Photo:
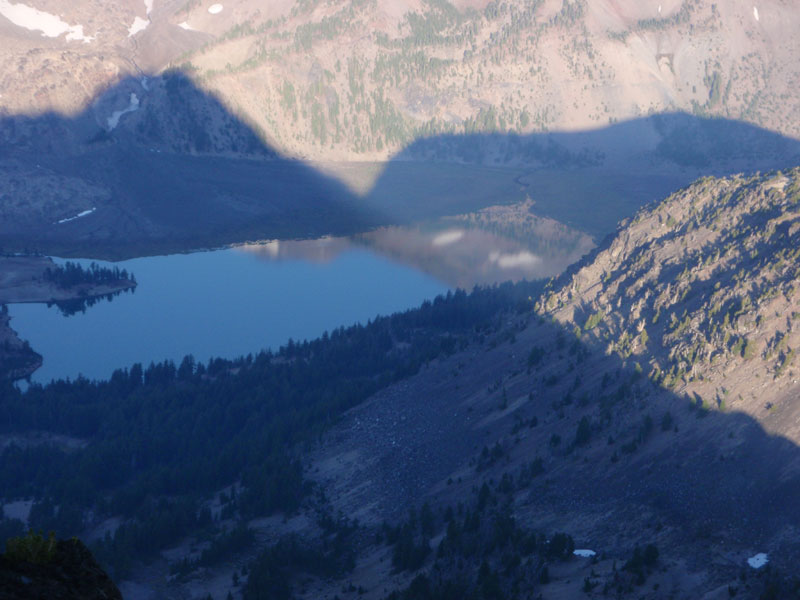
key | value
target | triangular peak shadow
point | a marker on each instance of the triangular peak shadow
(161, 166)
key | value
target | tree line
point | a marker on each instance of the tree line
(71, 274)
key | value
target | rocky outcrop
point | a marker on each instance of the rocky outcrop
(701, 289)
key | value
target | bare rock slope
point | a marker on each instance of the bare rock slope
(702, 290)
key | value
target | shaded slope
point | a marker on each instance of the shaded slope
(183, 176)
(711, 478)
(180, 171)
(592, 179)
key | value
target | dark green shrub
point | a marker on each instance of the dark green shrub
(32, 548)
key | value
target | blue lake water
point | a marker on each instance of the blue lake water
(223, 303)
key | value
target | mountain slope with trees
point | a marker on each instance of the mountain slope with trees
(475, 442)
(361, 79)
(365, 79)
(566, 418)
(233, 113)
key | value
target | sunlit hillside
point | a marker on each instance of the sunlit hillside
(362, 79)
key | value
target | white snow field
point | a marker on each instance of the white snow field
(34, 19)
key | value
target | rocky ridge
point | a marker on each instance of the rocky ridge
(701, 290)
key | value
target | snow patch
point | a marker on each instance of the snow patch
(757, 561)
(78, 216)
(584, 553)
(448, 237)
(148, 5)
(510, 261)
(139, 24)
(145, 84)
(113, 120)
(49, 25)
(755, 13)
(215, 9)
(185, 25)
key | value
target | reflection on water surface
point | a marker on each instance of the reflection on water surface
(497, 244)
(224, 303)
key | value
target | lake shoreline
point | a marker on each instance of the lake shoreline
(24, 280)
(17, 359)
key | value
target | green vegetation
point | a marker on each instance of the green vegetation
(272, 573)
(784, 362)
(749, 350)
(32, 548)
(71, 274)
(485, 552)
(584, 432)
(666, 421)
(222, 547)
(593, 320)
(535, 356)
(411, 547)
